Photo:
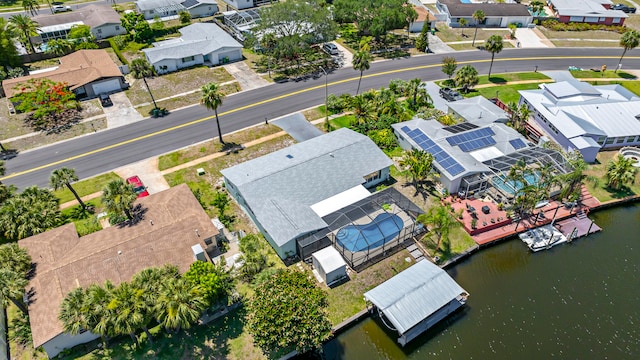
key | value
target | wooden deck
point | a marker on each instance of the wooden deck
(577, 226)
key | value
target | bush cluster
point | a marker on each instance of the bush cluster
(558, 26)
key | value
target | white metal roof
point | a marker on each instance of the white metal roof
(340, 200)
(329, 259)
(414, 294)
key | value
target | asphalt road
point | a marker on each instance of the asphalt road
(106, 150)
(45, 10)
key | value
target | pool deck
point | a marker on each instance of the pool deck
(501, 231)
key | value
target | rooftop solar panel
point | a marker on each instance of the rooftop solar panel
(189, 3)
(443, 159)
(517, 144)
(458, 128)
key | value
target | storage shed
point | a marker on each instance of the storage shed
(330, 265)
(416, 299)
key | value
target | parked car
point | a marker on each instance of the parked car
(624, 8)
(330, 49)
(138, 186)
(60, 8)
(450, 94)
(105, 100)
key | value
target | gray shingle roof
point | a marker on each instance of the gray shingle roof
(478, 110)
(145, 5)
(591, 8)
(411, 296)
(196, 39)
(458, 9)
(280, 187)
(93, 15)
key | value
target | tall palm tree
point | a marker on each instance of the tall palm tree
(629, 40)
(418, 164)
(479, 17)
(212, 98)
(100, 317)
(74, 312)
(621, 172)
(494, 45)
(59, 47)
(417, 93)
(141, 69)
(63, 177)
(12, 286)
(463, 23)
(572, 181)
(31, 6)
(32, 212)
(361, 62)
(27, 28)
(15, 258)
(361, 108)
(118, 198)
(439, 222)
(180, 304)
(130, 311)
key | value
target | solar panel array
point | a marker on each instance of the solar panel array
(444, 160)
(473, 140)
(458, 128)
(517, 144)
(189, 3)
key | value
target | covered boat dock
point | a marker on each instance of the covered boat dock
(416, 299)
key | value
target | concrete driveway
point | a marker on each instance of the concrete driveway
(247, 78)
(121, 112)
(148, 172)
(345, 58)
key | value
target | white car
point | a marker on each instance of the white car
(60, 8)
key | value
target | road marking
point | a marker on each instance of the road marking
(266, 101)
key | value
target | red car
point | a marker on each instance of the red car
(138, 186)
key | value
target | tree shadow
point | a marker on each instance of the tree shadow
(8, 154)
(138, 213)
(626, 75)
(497, 80)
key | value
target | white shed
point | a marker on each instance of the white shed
(330, 265)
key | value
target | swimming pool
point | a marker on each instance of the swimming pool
(510, 186)
(382, 229)
(465, 1)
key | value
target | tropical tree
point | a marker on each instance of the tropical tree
(31, 6)
(211, 98)
(388, 15)
(479, 17)
(361, 62)
(463, 23)
(536, 7)
(12, 286)
(15, 258)
(518, 116)
(118, 198)
(26, 27)
(361, 107)
(74, 312)
(31, 212)
(573, 180)
(422, 42)
(629, 40)
(621, 172)
(179, 304)
(449, 66)
(63, 177)
(215, 282)
(59, 47)
(254, 256)
(130, 311)
(439, 222)
(494, 45)
(8, 52)
(418, 164)
(289, 310)
(417, 94)
(466, 78)
(185, 17)
(99, 316)
(141, 69)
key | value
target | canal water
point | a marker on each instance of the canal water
(575, 301)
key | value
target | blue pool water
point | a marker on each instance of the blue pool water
(383, 228)
(465, 1)
(508, 186)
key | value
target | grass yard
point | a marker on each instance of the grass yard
(88, 223)
(506, 93)
(346, 299)
(182, 101)
(500, 79)
(633, 21)
(600, 190)
(177, 82)
(609, 74)
(459, 241)
(40, 139)
(576, 36)
(315, 113)
(342, 121)
(210, 147)
(86, 187)
(633, 86)
(448, 34)
(585, 43)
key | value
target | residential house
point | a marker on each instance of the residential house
(245, 4)
(587, 11)
(496, 14)
(88, 74)
(200, 43)
(580, 116)
(165, 8)
(288, 192)
(173, 229)
(103, 20)
(425, 18)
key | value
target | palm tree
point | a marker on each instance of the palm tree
(12, 286)
(74, 312)
(439, 222)
(479, 17)
(27, 28)
(466, 78)
(180, 304)
(64, 177)
(572, 181)
(31, 6)
(629, 40)
(361, 62)
(212, 99)
(100, 317)
(361, 108)
(15, 258)
(59, 47)
(494, 45)
(417, 93)
(620, 172)
(118, 197)
(32, 212)
(418, 163)
(129, 310)
(141, 69)
(463, 23)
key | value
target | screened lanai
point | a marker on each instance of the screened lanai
(368, 230)
(241, 22)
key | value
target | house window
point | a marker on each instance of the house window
(610, 141)
(591, 19)
(99, 31)
(619, 140)
(629, 139)
(372, 177)
(575, 18)
(616, 20)
(602, 139)
(187, 59)
(150, 11)
(117, 27)
(603, 19)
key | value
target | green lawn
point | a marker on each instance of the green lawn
(506, 93)
(342, 121)
(500, 79)
(600, 190)
(86, 187)
(459, 241)
(609, 74)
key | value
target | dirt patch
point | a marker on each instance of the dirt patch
(41, 139)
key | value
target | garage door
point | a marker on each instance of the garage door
(106, 86)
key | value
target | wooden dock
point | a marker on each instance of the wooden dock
(577, 226)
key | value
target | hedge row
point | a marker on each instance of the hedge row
(116, 49)
(558, 26)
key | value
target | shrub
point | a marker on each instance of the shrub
(384, 138)
(336, 104)
(116, 49)
(558, 26)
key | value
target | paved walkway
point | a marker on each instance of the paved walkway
(437, 46)
(528, 38)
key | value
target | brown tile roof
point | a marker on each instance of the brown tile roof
(458, 9)
(76, 69)
(424, 14)
(65, 261)
(92, 15)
